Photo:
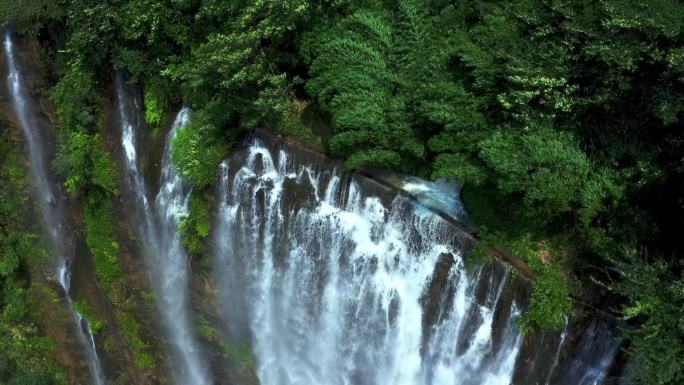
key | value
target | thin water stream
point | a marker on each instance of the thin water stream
(49, 203)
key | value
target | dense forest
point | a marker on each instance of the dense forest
(562, 121)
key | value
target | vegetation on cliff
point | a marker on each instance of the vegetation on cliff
(562, 120)
(26, 353)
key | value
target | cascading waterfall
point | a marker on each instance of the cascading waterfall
(336, 280)
(168, 260)
(172, 204)
(332, 283)
(49, 204)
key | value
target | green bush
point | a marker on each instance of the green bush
(550, 304)
(546, 167)
(197, 225)
(198, 150)
(154, 108)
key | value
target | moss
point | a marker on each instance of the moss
(104, 247)
(237, 351)
(83, 308)
(101, 240)
(131, 330)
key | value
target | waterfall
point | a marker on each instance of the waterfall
(332, 282)
(168, 261)
(334, 279)
(49, 204)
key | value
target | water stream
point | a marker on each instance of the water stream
(50, 205)
(157, 227)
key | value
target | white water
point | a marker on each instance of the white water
(332, 292)
(168, 260)
(49, 206)
(440, 195)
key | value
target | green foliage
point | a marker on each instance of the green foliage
(101, 240)
(72, 157)
(547, 168)
(80, 156)
(550, 303)
(154, 108)
(197, 225)
(30, 15)
(103, 172)
(237, 351)
(353, 77)
(198, 149)
(293, 121)
(131, 329)
(75, 98)
(83, 308)
(26, 353)
(655, 291)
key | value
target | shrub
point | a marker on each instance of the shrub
(197, 151)
(197, 225)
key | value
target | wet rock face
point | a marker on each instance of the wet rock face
(436, 296)
(297, 193)
(584, 353)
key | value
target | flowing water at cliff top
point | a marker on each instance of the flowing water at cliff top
(49, 203)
